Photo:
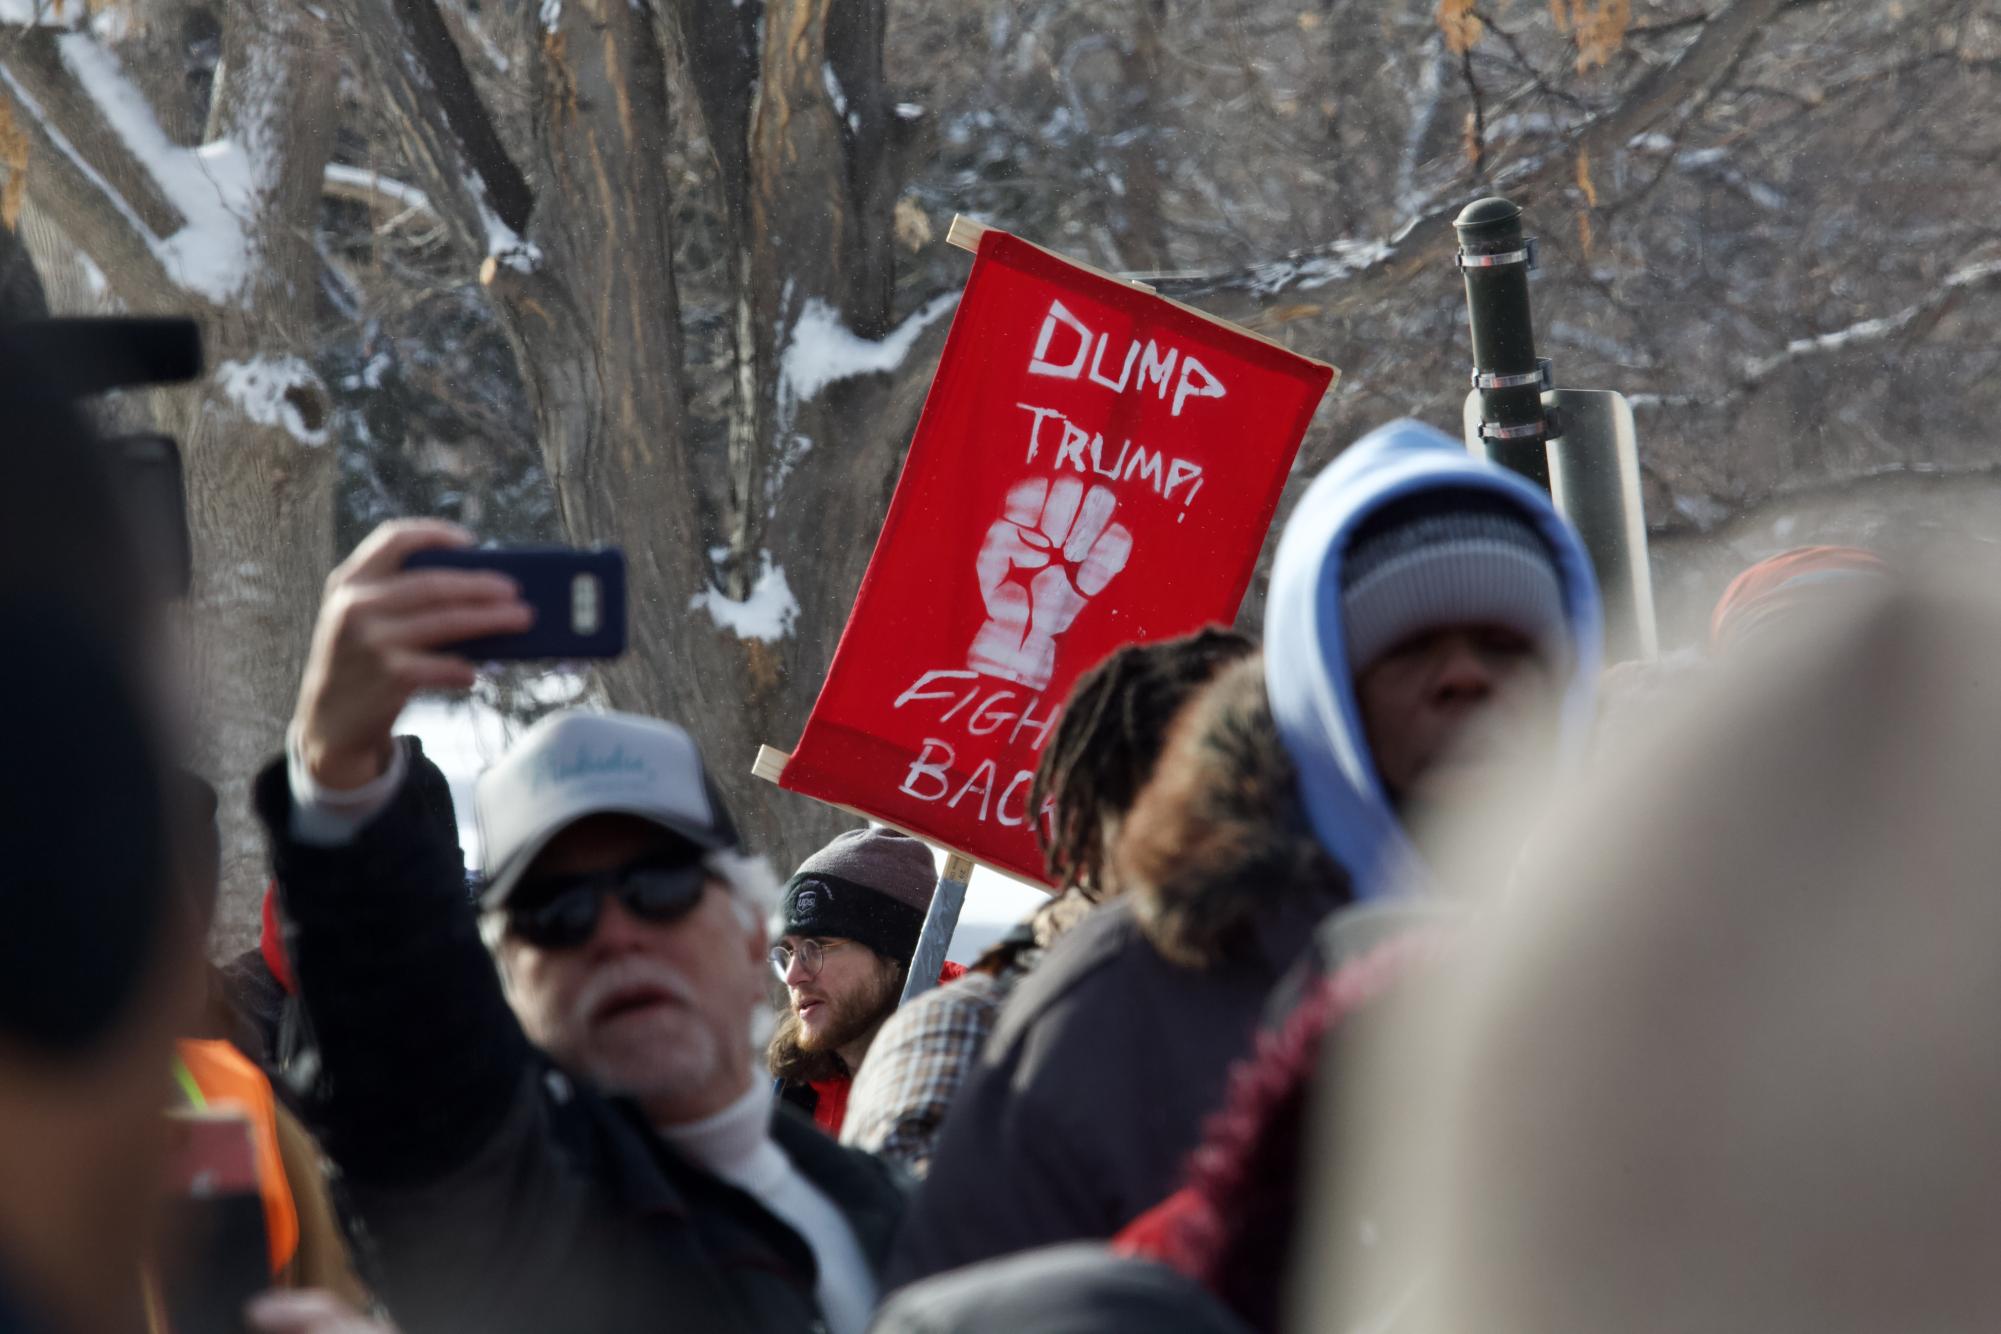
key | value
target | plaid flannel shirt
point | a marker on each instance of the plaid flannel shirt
(916, 1064)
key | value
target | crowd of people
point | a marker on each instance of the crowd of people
(1406, 969)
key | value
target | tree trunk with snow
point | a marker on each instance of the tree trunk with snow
(571, 227)
(1760, 218)
(222, 229)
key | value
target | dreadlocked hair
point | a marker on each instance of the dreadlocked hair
(1104, 750)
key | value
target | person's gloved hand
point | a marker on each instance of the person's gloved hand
(375, 645)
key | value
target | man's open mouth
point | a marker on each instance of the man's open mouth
(629, 1001)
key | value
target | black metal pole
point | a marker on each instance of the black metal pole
(1495, 259)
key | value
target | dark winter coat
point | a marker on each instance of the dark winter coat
(498, 1193)
(1107, 1057)
(15, 1319)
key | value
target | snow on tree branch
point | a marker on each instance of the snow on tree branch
(823, 349)
(147, 208)
(1876, 329)
(98, 216)
(379, 191)
(42, 13)
(283, 392)
(1671, 92)
(45, 124)
(768, 614)
(214, 187)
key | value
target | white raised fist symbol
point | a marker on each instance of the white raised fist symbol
(1068, 540)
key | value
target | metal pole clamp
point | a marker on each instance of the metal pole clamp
(1526, 431)
(1526, 255)
(1540, 377)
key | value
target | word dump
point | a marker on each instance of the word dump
(1192, 380)
(1087, 453)
(978, 712)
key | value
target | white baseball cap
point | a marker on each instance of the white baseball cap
(574, 764)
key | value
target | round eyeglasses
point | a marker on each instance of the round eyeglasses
(810, 953)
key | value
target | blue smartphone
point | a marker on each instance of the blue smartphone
(578, 596)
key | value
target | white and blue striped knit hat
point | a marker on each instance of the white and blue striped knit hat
(1446, 558)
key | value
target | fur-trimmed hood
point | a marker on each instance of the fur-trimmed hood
(1312, 693)
(1219, 860)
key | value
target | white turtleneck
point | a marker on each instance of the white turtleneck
(736, 1145)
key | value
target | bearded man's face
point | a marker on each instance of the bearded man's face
(842, 1004)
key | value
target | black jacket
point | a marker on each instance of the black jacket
(1093, 1087)
(498, 1194)
(15, 1319)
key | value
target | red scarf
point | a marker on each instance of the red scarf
(832, 1106)
(271, 943)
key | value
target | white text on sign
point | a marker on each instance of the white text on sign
(974, 708)
(1084, 358)
(1087, 452)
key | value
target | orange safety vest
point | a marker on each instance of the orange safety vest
(216, 1074)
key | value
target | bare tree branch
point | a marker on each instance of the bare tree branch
(36, 71)
(464, 170)
(1838, 486)
(430, 45)
(1476, 125)
(1877, 329)
(83, 174)
(1669, 91)
(382, 194)
(1537, 79)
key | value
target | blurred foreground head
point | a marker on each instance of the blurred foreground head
(89, 969)
(1727, 1060)
(1774, 593)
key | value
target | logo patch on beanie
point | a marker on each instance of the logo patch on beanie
(807, 904)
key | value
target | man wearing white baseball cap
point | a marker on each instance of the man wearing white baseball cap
(579, 1138)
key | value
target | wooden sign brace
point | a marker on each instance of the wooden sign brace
(965, 233)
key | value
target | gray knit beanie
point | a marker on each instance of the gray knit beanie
(1450, 558)
(868, 885)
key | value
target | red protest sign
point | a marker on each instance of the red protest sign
(1095, 466)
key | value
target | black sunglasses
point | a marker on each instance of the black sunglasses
(562, 912)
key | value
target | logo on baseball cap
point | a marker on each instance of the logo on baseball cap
(576, 764)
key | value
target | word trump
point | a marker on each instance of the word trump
(1087, 453)
(980, 715)
(1191, 380)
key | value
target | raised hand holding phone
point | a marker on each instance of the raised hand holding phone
(382, 635)
(578, 597)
